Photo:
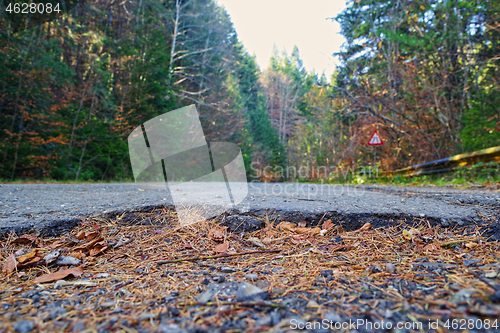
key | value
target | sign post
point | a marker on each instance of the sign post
(375, 141)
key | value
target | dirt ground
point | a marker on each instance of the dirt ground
(142, 272)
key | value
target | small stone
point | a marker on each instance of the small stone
(462, 296)
(226, 269)
(312, 304)
(264, 321)
(390, 268)
(171, 328)
(146, 316)
(118, 310)
(78, 326)
(338, 292)
(326, 272)
(495, 298)
(376, 269)
(56, 312)
(219, 278)
(174, 311)
(332, 317)
(23, 326)
(216, 288)
(252, 277)
(275, 318)
(107, 304)
(337, 239)
(277, 291)
(365, 295)
(205, 281)
(249, 292)
(472, 262)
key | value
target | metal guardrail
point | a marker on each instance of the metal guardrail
(450, 163)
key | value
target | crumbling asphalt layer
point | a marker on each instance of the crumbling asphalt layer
(51, 209)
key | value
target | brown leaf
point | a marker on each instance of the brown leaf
(270, 233)
(91, 235)
(84, 235)
(10, 264)
(221, 248)
(471, 245)
(308, 231)
(430, 247)
(365, 227)
(88, 246)
(217, 233)
(27, 257)
(98, 249)
(80, 235)
(297, 239)
(302, 223)
(287, 226)
(32, 262)
(75, 271)
(328, 224)
(25, 239)
(257, 242)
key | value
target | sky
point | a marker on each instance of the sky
(262, 24)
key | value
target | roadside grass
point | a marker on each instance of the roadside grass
(478, 175)
(67, 181)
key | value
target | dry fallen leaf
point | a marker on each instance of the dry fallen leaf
(80, 235)
(471, 245)
(122, 241)
(76, 271)
(430, 247)
(270, 233)
(88, 246)
(365, 227)
(100, 248)
(217, 233)
(221, 248)
(297, 239)
(328, 224)
(25, 239)
(308, 231)
(32, 262)
(257, 242)
(10, 264)
(287, 226)
(27, 257)
(267, 240)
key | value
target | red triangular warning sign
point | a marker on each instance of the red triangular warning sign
(375, 140)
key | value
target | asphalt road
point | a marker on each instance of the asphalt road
(53, 208)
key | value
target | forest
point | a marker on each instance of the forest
(424, 74)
